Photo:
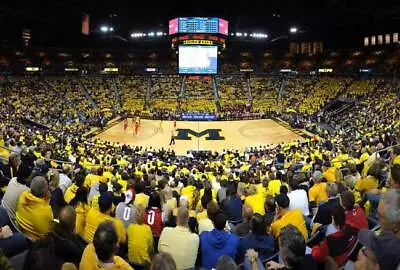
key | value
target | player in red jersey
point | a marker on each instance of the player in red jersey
(154, 217)
(136, 127)
(125, 124)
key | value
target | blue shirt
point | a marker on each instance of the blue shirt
(215, 244)
(233, 208)
(264, 245)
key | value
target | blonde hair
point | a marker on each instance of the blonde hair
(140, 210)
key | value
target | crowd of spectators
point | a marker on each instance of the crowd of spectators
(77, 202)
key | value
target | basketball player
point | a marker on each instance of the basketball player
(174, 123)
(136, 127)
(172, 141)
(138, 119)
(160, 124)
(125, 124)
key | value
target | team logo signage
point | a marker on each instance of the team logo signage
(197, 42)
(213, 134)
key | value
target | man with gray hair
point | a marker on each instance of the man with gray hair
(324, 211)
(292, 249)
(34, 214)
(180, 242)
(383, 250)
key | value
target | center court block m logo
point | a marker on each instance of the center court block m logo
(213, 134)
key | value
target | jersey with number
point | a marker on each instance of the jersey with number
(126, 213)
(153, 218)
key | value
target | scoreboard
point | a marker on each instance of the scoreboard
(198, 25)
(206, 25)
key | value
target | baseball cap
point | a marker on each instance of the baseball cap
(385, 247)
(318, 175)
(128, 196)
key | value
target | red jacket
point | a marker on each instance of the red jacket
(356, 219)
(336, 245)
(153, 218)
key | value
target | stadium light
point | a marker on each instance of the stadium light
(151, 34)
(238, 34)
(111, 29)
(293, 30)
(245, 34)
(159, 34)
(104, 29)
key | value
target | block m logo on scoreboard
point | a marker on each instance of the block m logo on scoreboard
(213, 134)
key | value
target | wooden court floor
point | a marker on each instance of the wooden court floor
(236, 134)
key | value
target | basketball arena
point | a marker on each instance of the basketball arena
(200, 135)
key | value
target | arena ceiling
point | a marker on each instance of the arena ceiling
(59, 20)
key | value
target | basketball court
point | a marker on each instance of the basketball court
(201, 135)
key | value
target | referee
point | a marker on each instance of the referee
(172, 141)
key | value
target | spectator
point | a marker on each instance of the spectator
(95, 217)
(15, 188)
(81, 206)
(355, 215)
(101, 253)
(298, 197)
(163, 261)
(154, 217)
(243, 229)
(292, 249)
(65, 181)
(378, 249)
(324, 211)
(338, 244)
(317, 193)
(57, 197)
(206, 224)
(217, 243)
(140, 240)
(395, 175)
(270, 206)
(126, 211)
(180, 242)
(34, 214)
(255, 200)
(258, 240)
(284, 216)
(71, 190)
(226, 262)
(232, 205)
(140, 197)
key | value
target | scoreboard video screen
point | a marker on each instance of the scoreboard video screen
(204, 25)
(198, 59)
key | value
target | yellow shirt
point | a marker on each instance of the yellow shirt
(366, 184)
(294, 217)
(34, 215)
(81, 213)
(317, 193)
(90, 262)
(330, 174)
(274, 187)
(396, 160)
(201, 215)
(70, 193)
(256, 202)
(92, 179)
(140, 243)
(93, 220)
(181, 244)
(142, 199)
(188, 191)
